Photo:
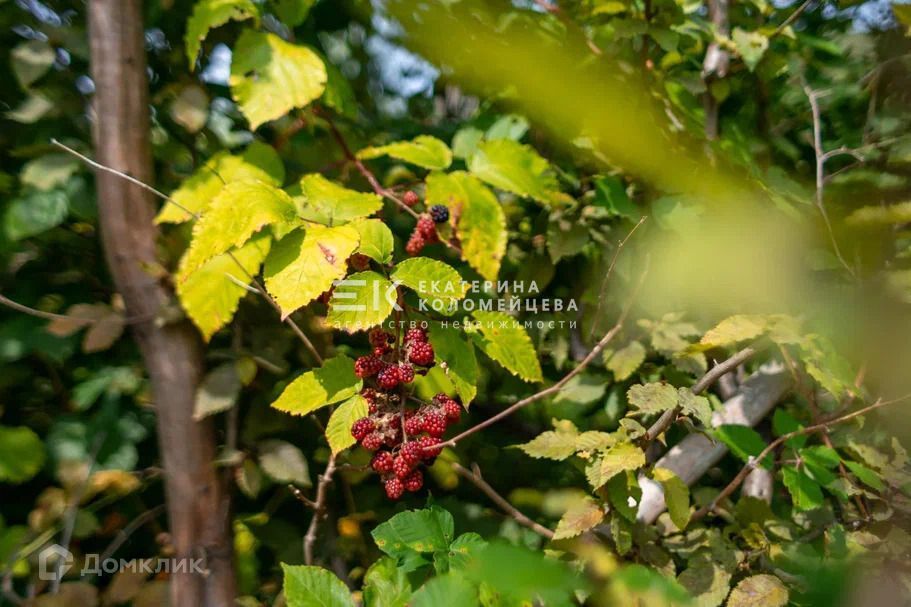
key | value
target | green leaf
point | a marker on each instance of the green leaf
(625, 361)
(510, 126)
(697, 407)
(866, 475)
(751, 46)
(21, 454)
(284, 462)
(49, 171)
(361, 301)
(31, 60)
(465, 142)
(556, 444)
(258, 161)
(784, 423)
(619, 458)
(306, 262)
(270, 77)
(582, 389)
(386, 585)
(239, 211)
(338, 430)
(761, 590)
(331, 383)
(610, 193)
(464, 548)
(209, 14)
(424, 151)
(733, 330)
(218, 391)
(892, 214)
(676, 496)
(706, 582)
(437, 284)
(307, 586)
(504, 339)
(652, 398)
(331, 204)
(452, 590)
(293, 12)
(420, 531)
(743, 441)
(461, 363)
(209, 295)
(566, 236)
(34, 213)
(375, 240)
(481, 225)
(805, 493)
(580, 517)
(514, 167)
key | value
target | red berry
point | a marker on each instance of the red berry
(427, 444)
(410, 198)
(406, 373)
(367, 366)
(434, 423)
(414, 481)
(414, 425)
(361, 428)
(372, 441)
(380, 351)
(379, 337)
(388, 378)
(401, 467)
(411, 452)
(359, 262)
(452, 410)
(416, 335)
(421, 354)
(426, 228)
(415, 243)
(382, 462)
(394, 488)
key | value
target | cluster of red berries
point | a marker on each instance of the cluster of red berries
(425, 232)
(402, 437)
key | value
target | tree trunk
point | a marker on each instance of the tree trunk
(198, 504)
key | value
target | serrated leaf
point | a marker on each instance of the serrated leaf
(619, 458)
(218, 391)
(805, 493)
(582, 389)
(424, 151)
(707, 583)
(328, 203)
(420, 531)
(331, 383)
(452, 348)
(22, 454)
(386, 585)
(308, 586)
(209, 296)
(464, 548)
(271, 77)
(734, 329)
(695, 406)
(306, 262)
(375, 240)
(503, 339)
(240, 210)
(676, 496)
(450, 589)
(481, 223)
(209, 14)
(751, 46)
(743, 441)
(554, 444)
(652, 398)
(581, 517)
(338, 430)
(626, 360)
(284, 462)
(514, 167)
(438, 284)
(361, 301)
(865, 475)
(592, 440)
(761, 590)
(258, 161)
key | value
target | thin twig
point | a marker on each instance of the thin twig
(557, 387)
(610, 270)
(129, 530)
(791, 18)
(9, 303)
(754, 461)
(319, 508)
(309, 503)
(474, 476)
(710, 377)
(259, 287)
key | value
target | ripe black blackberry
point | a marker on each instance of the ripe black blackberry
(439, 213)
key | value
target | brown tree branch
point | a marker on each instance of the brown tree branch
(319, 508)
(474, 475)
